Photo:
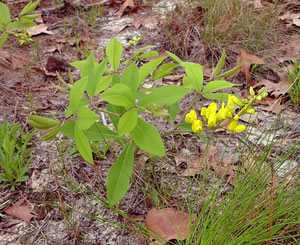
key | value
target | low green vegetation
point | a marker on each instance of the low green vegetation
(14, 154)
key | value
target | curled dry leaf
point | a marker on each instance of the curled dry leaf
(39, 29)
(245, 60)
(127, 3)
(20, 210)
(169, 223)
(274, 89)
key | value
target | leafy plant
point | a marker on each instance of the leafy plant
(127, 98)
(14, 160)
(23, 21)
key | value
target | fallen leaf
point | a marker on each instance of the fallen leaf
(258, 4)
(15, 60)
(221, 169)
(274, 89)
(150, 22)
(127, 3)
(20, 210)
(276, 107)
(290, 18)
(245, 60)
(196, 165)
(169, 223)
(39, 29)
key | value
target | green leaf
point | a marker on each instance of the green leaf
(219, 66)
(116, 109)
(164, 70)
(142, 49)
(164, 95)
(94, 72)
(195, 75)
(86, 118)
(103, 84)
(4, 14)
(130, 77)
(174, 57)
(173, 110)
(147, 138)
(217, 96)
(216, 85)
(119, 94)
(22, 23)
(147, 68)
(115, 79)
(29, 7)
(114, 52)
(229, 73)
(30, 17)
(3, 38)
(149, 54)
(128, 121)
(96, 132)
(76, 94)
(119, 175)
(82, 144)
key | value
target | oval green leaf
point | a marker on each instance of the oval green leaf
(128, 121)
(148, 138)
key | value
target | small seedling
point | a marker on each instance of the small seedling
(23, 21)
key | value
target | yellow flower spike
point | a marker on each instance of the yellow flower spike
(191, 116)
(197, 126)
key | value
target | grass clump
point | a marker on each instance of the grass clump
(14, 160)
(218, 24)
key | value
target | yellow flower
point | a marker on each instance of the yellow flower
(191, 116)
(212, 120)
(234, 127)
(197, 126)
(223, 113)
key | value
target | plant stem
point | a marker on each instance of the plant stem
(107, 112)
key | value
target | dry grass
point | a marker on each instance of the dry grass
(198, 26)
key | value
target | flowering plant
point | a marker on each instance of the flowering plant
(214, 117)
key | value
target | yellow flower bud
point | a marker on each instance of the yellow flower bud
(259, 97)
(250, 111)
(197, 126)
(239, 128)
(236, 117)
(191, 116)
(251, 91)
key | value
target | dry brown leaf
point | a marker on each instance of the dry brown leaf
(150, 22)
(221, 168)
(127, 3)
(39, 29)
(20, 210)
(196, 165)
(276, 107)
(274, 89)
(290, 18)
(169, 223)
(245, 60)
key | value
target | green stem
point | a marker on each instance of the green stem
(107, 112)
